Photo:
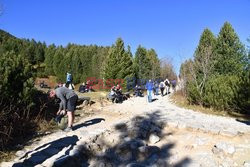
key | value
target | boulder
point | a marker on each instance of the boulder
(153, 139)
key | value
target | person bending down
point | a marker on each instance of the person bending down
(68, 104)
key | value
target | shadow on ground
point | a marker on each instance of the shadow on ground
(47, 150)
(88, 123)
(243, 121)
(129, 145)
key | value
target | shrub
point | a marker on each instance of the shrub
(16, 98)
(221, 92)
(193, 95)
(243, 96)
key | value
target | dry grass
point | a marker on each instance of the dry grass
(178, 99)
(93, 95)
(6, 156)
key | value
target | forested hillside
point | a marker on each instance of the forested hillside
(22, 60)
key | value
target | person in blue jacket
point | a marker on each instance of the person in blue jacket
(149, 87)
(69, 78)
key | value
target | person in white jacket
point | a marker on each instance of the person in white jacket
(167, 85)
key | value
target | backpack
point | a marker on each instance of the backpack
(69, 77)
(161, 85)
(167, 82)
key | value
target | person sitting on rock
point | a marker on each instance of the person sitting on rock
(138, 91)
(112, 94)
(82, 88)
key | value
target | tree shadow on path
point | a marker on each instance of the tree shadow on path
(132, 146)
(47, 150)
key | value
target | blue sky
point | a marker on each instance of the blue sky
(171, 27)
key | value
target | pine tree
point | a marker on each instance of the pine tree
(58, 64)
(142, 64)
(203, 60)
(230, 53)
(126, 65)
(113, 64)
(49, 57)
(155, 64)
(127, 69)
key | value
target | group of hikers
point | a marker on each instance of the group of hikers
(68, 98)
(154, 87)
(117, 96)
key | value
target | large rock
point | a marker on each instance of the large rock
(153, 139)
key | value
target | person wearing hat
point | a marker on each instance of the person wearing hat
(68, 103)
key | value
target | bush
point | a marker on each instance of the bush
(221, 92)
(16, 98)
(243, 96)
(193, 95)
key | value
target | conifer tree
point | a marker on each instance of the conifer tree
(113, 64)
(230, 53)
(126, 65)
(58, 66)
(155, 64)
(142, 64)
(203, 60)
(49, 58)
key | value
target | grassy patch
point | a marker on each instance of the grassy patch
(93, 95)
(178, 99)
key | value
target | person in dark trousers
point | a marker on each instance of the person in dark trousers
(67, 105)
(173, 83)
(138, 91)
(162, 87)
(156, 88)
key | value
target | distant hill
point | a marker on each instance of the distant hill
(5, 36)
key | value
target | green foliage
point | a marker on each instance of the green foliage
(230, 53)
(203, 64)
(16, 76)
(49, 58)
(142, 64)
(154, 63)
(243, 94)
(16, 98)
(113, 66)
(119, 63)
(221, 92)
(219, 75)
(193, 94)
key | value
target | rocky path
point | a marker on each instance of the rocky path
(137, 133)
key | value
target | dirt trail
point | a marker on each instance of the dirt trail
(189, 138)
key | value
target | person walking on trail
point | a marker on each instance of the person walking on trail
(156, 88)
(149, 87)
(68, 104)
(167, 85)
(162, 87)
(173, 83)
